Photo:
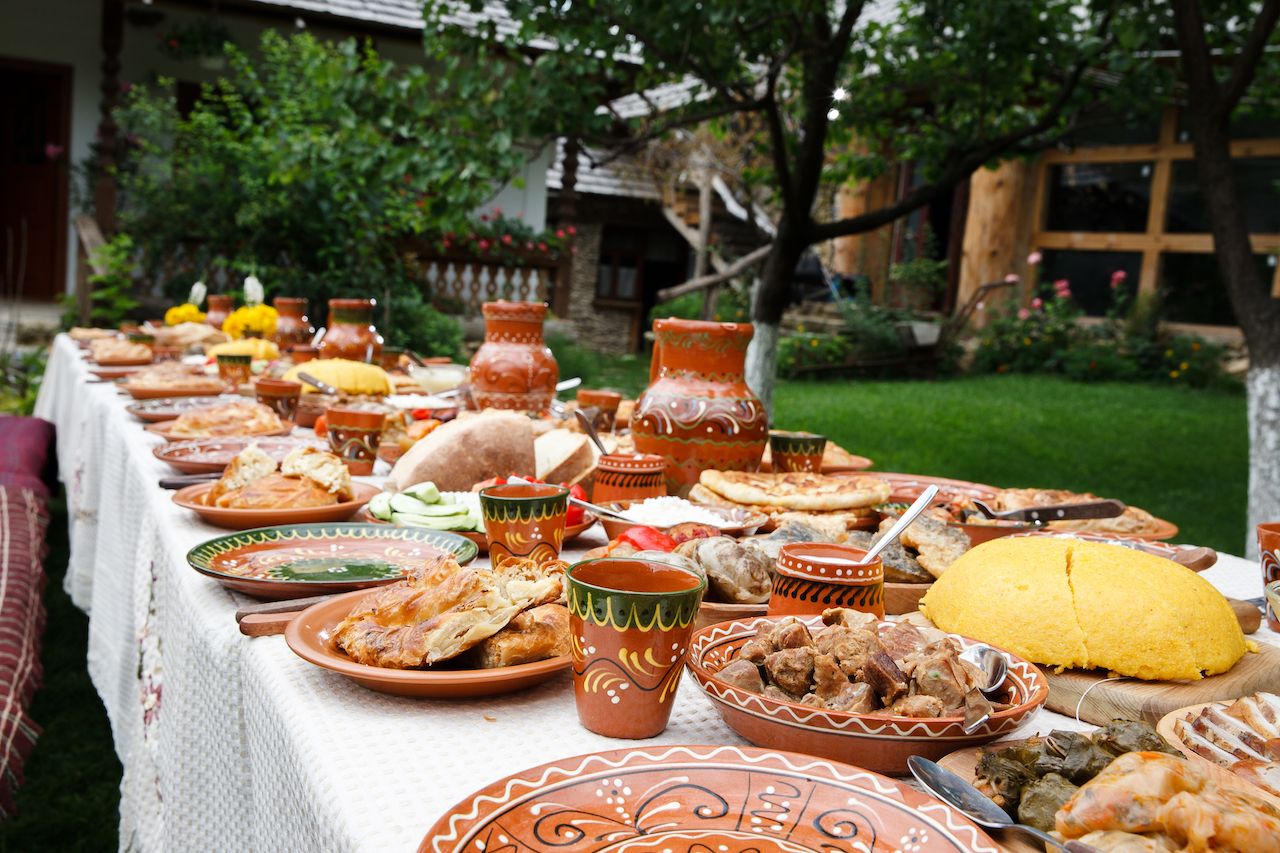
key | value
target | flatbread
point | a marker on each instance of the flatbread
(797, 490)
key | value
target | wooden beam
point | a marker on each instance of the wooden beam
(1240, 150)
(1139, 242)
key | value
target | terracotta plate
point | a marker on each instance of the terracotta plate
(701, 798)
(743, 522)
(168, 408)
(162, 429)
(213, 455)
(146, 393)
(123, 362)
(907, 487)
(108, 374)
(310, 635)
(298, 560)
(193, 498)
(876, 741)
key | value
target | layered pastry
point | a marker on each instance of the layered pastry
(307, 477)
(169, 375)
(115, 349)
(239, 418)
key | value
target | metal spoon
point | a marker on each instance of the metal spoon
(598, 510)
(590, 430)
(992, 663)
(322, 387)
(903, 522)
(959, 794)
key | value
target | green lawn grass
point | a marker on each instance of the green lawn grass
(1179, 453)
(71, 797)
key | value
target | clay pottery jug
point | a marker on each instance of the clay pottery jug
(351, 333)
(514, 369)
(698, 412)
(292, 327)
(219, 310)
(814, 576)
(629, 477)
(629, 627)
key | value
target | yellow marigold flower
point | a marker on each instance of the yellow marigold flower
(184, 313)
(813, 342)
(1173, 374)
(1183, 366)
(256, 320)
(1195, 346)
(1168, 353)
(1026, 342)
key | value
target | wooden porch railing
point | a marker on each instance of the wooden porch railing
(88, 240)
(463, 283)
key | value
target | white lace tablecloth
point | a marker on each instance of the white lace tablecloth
(231, 743)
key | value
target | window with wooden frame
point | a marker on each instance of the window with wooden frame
(1135, 206)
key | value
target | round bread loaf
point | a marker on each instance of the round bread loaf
(1068, 603)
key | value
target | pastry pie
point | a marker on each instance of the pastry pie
(172, 374)
(801, 491)
(114, 349)
(308, 477)
(536, 634)
(227, 419)
(444, 610)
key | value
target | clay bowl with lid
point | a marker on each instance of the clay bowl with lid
(876, 741)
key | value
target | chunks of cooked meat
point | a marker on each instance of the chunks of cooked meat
(859, 665)
(791, 669)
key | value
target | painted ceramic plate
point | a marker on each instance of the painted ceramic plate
(310, 635)
(193, 498)
(213, 455)
(298, 560)
(162, 429)
(701, 798)
(169, 408)
(877, 741)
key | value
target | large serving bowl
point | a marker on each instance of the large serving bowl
(877, 742)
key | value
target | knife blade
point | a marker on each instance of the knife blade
(1059, 512)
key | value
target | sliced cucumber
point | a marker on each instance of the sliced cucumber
(380, 506)
(407, 503)
(437, 510)
(435, 522)
(425, 492)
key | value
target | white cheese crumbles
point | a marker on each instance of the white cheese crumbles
(670, 511)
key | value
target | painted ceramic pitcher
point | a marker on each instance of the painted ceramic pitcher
(514, 369)
(698, 412)
(352, 334)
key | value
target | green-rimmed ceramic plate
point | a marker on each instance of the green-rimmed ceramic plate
(298, 560)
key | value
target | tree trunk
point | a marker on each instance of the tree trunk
(762, 363)
(1264, 451)
(769, 297)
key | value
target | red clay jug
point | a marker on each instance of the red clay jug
(698, 412)
(514, 369)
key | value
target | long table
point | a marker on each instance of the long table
(232, 743)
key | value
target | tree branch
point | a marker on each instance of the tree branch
(736, 268)
(1247, 61)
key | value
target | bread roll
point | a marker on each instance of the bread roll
(536, 634)
(320, 466)
(463, 452)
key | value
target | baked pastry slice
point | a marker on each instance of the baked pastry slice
(276, 491)
(536, 634)
(252, 463)
(321, 467)
(427, 619)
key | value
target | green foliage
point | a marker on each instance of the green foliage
(733, 305)
(308, 164)
(800, 351)
(20, 376)
(111, 292)
(204, 37)
(872, 329)
(626, 373)
(417, 325)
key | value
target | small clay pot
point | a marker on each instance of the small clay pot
(300, 354)
(629, 477)
(796, 451)
(600, 406)
(815, 576)
(234, 369)
(1269, 556)
(354, 434)
(220, 306)
(524, 520)
(629, 624)
(280, 395)
(390, 358)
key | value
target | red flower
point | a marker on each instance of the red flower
(1117, 278)
(422, 202)
(572, 230)
(542, 247)
(497, 211)
(173, 42)
(484, 245)
(560, 233)
(408, 179)
(484, 217)
(506, 239)
(529, 245)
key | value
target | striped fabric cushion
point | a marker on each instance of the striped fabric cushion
(26, 461)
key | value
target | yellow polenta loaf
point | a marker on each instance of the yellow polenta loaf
(1069, 603)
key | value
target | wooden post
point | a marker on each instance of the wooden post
(108, 142)
(997, 229)
(566, 215)
(703, 254)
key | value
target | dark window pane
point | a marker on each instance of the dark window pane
(1099, 197)
(1191, 288)
(1089, 274)
(1258, 182)
(1242, 127)
(1135, 130)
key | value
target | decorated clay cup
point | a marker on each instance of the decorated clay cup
(629, 624)
(1269, 555)
(815, 576)
(524, 520)
(354, 434)
(796, 451)
(234, 369)
(629, 477)
(302, 353)
(600, 406)
(280, 395)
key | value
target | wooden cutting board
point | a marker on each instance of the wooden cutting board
(1132, 699)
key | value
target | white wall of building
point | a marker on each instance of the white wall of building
(67, 32)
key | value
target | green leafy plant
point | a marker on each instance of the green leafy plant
(733, 305)
(418, 326)
(797, 352)
(204, 37)
(20, 376)
(111, 291)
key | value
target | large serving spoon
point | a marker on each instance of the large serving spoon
(903, 522)
(992, 663)
(590, 429)
(959, 794)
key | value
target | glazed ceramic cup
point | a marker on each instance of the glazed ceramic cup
(1269, 555)
(629, 624)
(524, 520)
(796, 451)
(280, 396)
(814, 576)
(629, 477)
(234, 369)
(354, 434)
(299, 353)
(605, 404)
